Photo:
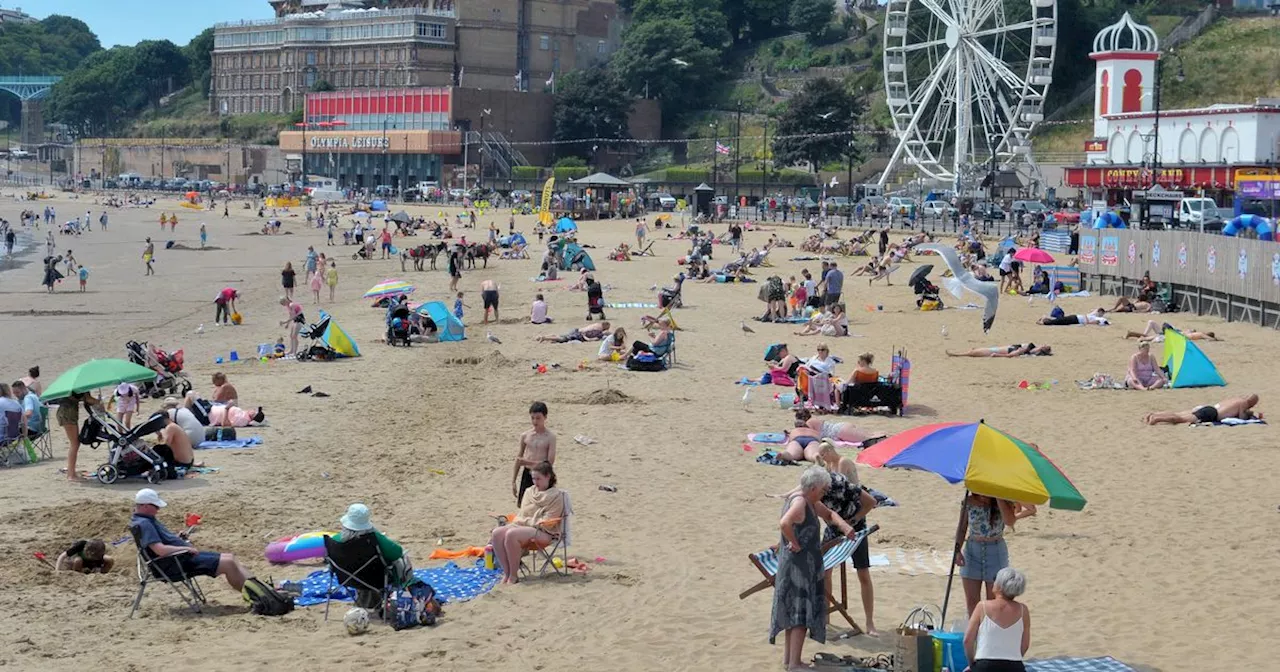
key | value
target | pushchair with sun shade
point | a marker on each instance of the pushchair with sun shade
(127, 454)
(170, 379)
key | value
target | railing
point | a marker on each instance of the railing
(348, 15)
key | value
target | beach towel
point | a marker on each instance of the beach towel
(797, 319)
(1068, 664)
(1230, 422)
(446, 554)
(1100, 381)
(912, 561)
(630, 305)
(246, 442)
(780, 438)
(451, 582)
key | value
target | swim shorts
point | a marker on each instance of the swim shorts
(1206, 414)
(490, 298)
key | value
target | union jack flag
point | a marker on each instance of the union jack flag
(723, 149)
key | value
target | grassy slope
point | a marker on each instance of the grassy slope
(1235, 61)
(187, 115)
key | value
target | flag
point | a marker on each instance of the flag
(834, 182)
(723, 149)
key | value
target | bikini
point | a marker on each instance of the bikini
(804, 441)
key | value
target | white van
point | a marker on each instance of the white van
(1191, 211)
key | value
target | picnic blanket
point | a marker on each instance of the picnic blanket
(1230, 422)
(1069, 664)
(780, 438)
(451, 582)
(1101, 381)
(624, 304)
(790, 319)
(245, 442)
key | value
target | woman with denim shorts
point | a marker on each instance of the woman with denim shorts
(984, 551)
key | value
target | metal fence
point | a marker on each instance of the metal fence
(1237, 279)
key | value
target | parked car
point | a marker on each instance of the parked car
(902, 206)
(1036, 209)
(837, 205)
(984, 210)
(664, 201)
(874, 206)
(938, 210)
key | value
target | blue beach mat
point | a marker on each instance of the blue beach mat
(622, 305)
(451, 582)
(246, 442)
(1103, 664)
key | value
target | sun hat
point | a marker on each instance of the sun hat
(171, 402)
(149, 496)
(356, 518)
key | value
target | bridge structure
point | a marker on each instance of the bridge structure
(31, 90)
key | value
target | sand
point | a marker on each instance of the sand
(1175, 549)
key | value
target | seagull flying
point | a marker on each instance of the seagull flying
(745, 328)
(827, 115)
(964, 278)
(491, 338)
(683, 64)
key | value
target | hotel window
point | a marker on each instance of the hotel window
(544, 42)
(311, 78)
(600, 47)
(311, 58)
(436, 30)
(239, 82)
(360, 78)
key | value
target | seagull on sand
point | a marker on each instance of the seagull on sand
(745, 328)
(491, 338)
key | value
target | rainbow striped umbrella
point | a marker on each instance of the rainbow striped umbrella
(988, 461)
(389, 288)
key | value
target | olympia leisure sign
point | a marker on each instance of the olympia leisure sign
(356, 142)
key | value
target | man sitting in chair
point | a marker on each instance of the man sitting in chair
(355, 523)
(156, 538)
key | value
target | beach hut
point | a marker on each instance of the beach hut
(451, 328)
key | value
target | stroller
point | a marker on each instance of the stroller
(399, 325)
(128, 455)
(317, 351)
(929, 299)
(170, 379)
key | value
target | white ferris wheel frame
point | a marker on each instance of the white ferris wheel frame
(933, 117)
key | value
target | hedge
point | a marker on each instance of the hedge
(565, 174)
(526, 172)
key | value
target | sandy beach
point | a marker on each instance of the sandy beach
(1176, 547)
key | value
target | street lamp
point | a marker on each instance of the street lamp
(385, 120)
(1159, 86)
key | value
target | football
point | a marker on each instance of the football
(356, 620)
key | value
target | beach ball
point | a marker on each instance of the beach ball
(356, 621)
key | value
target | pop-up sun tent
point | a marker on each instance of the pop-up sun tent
(1187, 364)
(450, 327)
(566, 225)
(336, 339)
(574, 255)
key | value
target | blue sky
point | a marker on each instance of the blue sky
(131, 21)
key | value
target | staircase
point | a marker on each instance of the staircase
(499, 156)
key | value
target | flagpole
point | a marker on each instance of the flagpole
(737, 157)
(715, 163)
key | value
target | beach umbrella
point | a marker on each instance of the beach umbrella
(1033, 255)
(389, 288)
(986, 460)
(401, 217)
(362, 215)
(94, 374)
(920, 274)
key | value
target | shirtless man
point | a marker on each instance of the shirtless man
(589, 332)
(224, 392)
(1015, 350)
(537, 445)
(489, 294)
(1155, 334)
(1231, 407)
(179, 445)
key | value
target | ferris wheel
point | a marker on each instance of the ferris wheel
(965, 82)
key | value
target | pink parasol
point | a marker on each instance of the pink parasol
(1033, 255)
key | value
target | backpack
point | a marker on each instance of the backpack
(264, 600)
(413, 605)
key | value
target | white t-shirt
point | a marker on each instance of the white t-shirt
(605, 346)
(1093, 319)
(539, 313)
(1006, 263)
(810, 287)
(189, 424)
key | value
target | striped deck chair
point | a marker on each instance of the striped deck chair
(835, 553)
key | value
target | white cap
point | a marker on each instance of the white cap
(149, 496)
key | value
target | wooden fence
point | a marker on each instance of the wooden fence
(1237, 279)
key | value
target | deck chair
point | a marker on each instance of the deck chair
(542, 554)
(44, 440)
(167, 570)
(357, 564)
(835, 553)
(646, 252)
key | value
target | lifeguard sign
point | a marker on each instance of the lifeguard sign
(1156, 207)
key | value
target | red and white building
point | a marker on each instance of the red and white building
(1205, 150)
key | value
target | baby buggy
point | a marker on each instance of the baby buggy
(127, 454)
(399, 325)
(927, 292)
(170, 379)
(317, 351)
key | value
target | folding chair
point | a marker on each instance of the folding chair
(357, 564)
(546, 551)
(167, 570)
(11, 445)
(646, 252)
(834, 553)
(44, 440)
(669, 355)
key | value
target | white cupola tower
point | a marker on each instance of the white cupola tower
(1126, 55)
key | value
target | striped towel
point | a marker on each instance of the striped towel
(622, 305)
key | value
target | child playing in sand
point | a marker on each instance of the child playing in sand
(458, 305)
(331, 277)
(84, 277)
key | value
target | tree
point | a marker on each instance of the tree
(323, 85)
(590, 103)
(813, 127)
(710, 27)
(812, 17)
(762, 19)
(160, 68)
(199, 53)
(664, 58)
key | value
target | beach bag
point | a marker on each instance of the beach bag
(645, 361)
(413, 605)
(780, 377)
(264, 600)
(1057, 312)
(219, 433)
(913, 650)
(930, 304)
(236, 318)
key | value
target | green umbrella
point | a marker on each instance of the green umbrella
(94, 374)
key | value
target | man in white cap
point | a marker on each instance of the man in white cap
(355, 523)
(155, 537)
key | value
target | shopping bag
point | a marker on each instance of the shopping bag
(913, 651)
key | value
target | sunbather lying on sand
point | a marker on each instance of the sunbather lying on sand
(840, 431)
(1126, 305)
(802, 442)
(1015, 350)
(589, 332)
(1155, 334)
(1231, 407)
